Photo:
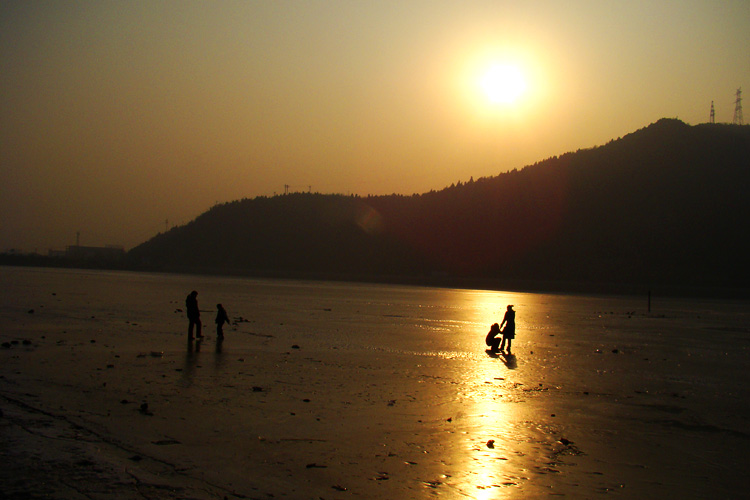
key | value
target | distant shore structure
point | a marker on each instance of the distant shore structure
(712, 118)
(107, 253)
(738, 119)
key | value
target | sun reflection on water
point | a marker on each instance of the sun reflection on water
(484, 457)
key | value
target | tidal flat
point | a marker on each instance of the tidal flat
(337, 390)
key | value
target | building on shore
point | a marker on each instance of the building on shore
(108, 253)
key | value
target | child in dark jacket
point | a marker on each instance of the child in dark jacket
(221, 318)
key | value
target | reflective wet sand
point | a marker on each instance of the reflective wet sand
(357, 391)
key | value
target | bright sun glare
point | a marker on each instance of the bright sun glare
(503, 84)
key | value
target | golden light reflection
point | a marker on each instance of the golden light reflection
(484, 459)
(487, 307)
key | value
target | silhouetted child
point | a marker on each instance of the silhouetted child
(221, 318)
(491, 339)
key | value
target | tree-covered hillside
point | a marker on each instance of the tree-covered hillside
(665, 205)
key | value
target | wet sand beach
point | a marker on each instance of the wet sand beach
(336, 391)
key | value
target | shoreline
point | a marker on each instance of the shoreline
(453, 282)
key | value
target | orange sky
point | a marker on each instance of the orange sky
(118, 116)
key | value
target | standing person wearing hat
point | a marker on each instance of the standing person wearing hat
(509, 332)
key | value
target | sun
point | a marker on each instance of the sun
(503, 84)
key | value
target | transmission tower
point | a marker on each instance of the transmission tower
(738, 120)
(287, 188)
(712, 119)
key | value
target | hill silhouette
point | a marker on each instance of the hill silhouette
(666, 205)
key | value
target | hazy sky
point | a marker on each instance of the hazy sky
(118, 116)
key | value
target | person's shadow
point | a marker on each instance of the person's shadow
(509, 360)
(219, 357)
(191, 360)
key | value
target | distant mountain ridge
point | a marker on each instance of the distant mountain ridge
(665, 205)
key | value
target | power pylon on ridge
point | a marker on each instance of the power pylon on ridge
(287, 188)
(712, 119)
(738, 119)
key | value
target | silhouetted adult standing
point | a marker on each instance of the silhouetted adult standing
(509, 332)
(193, 314)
